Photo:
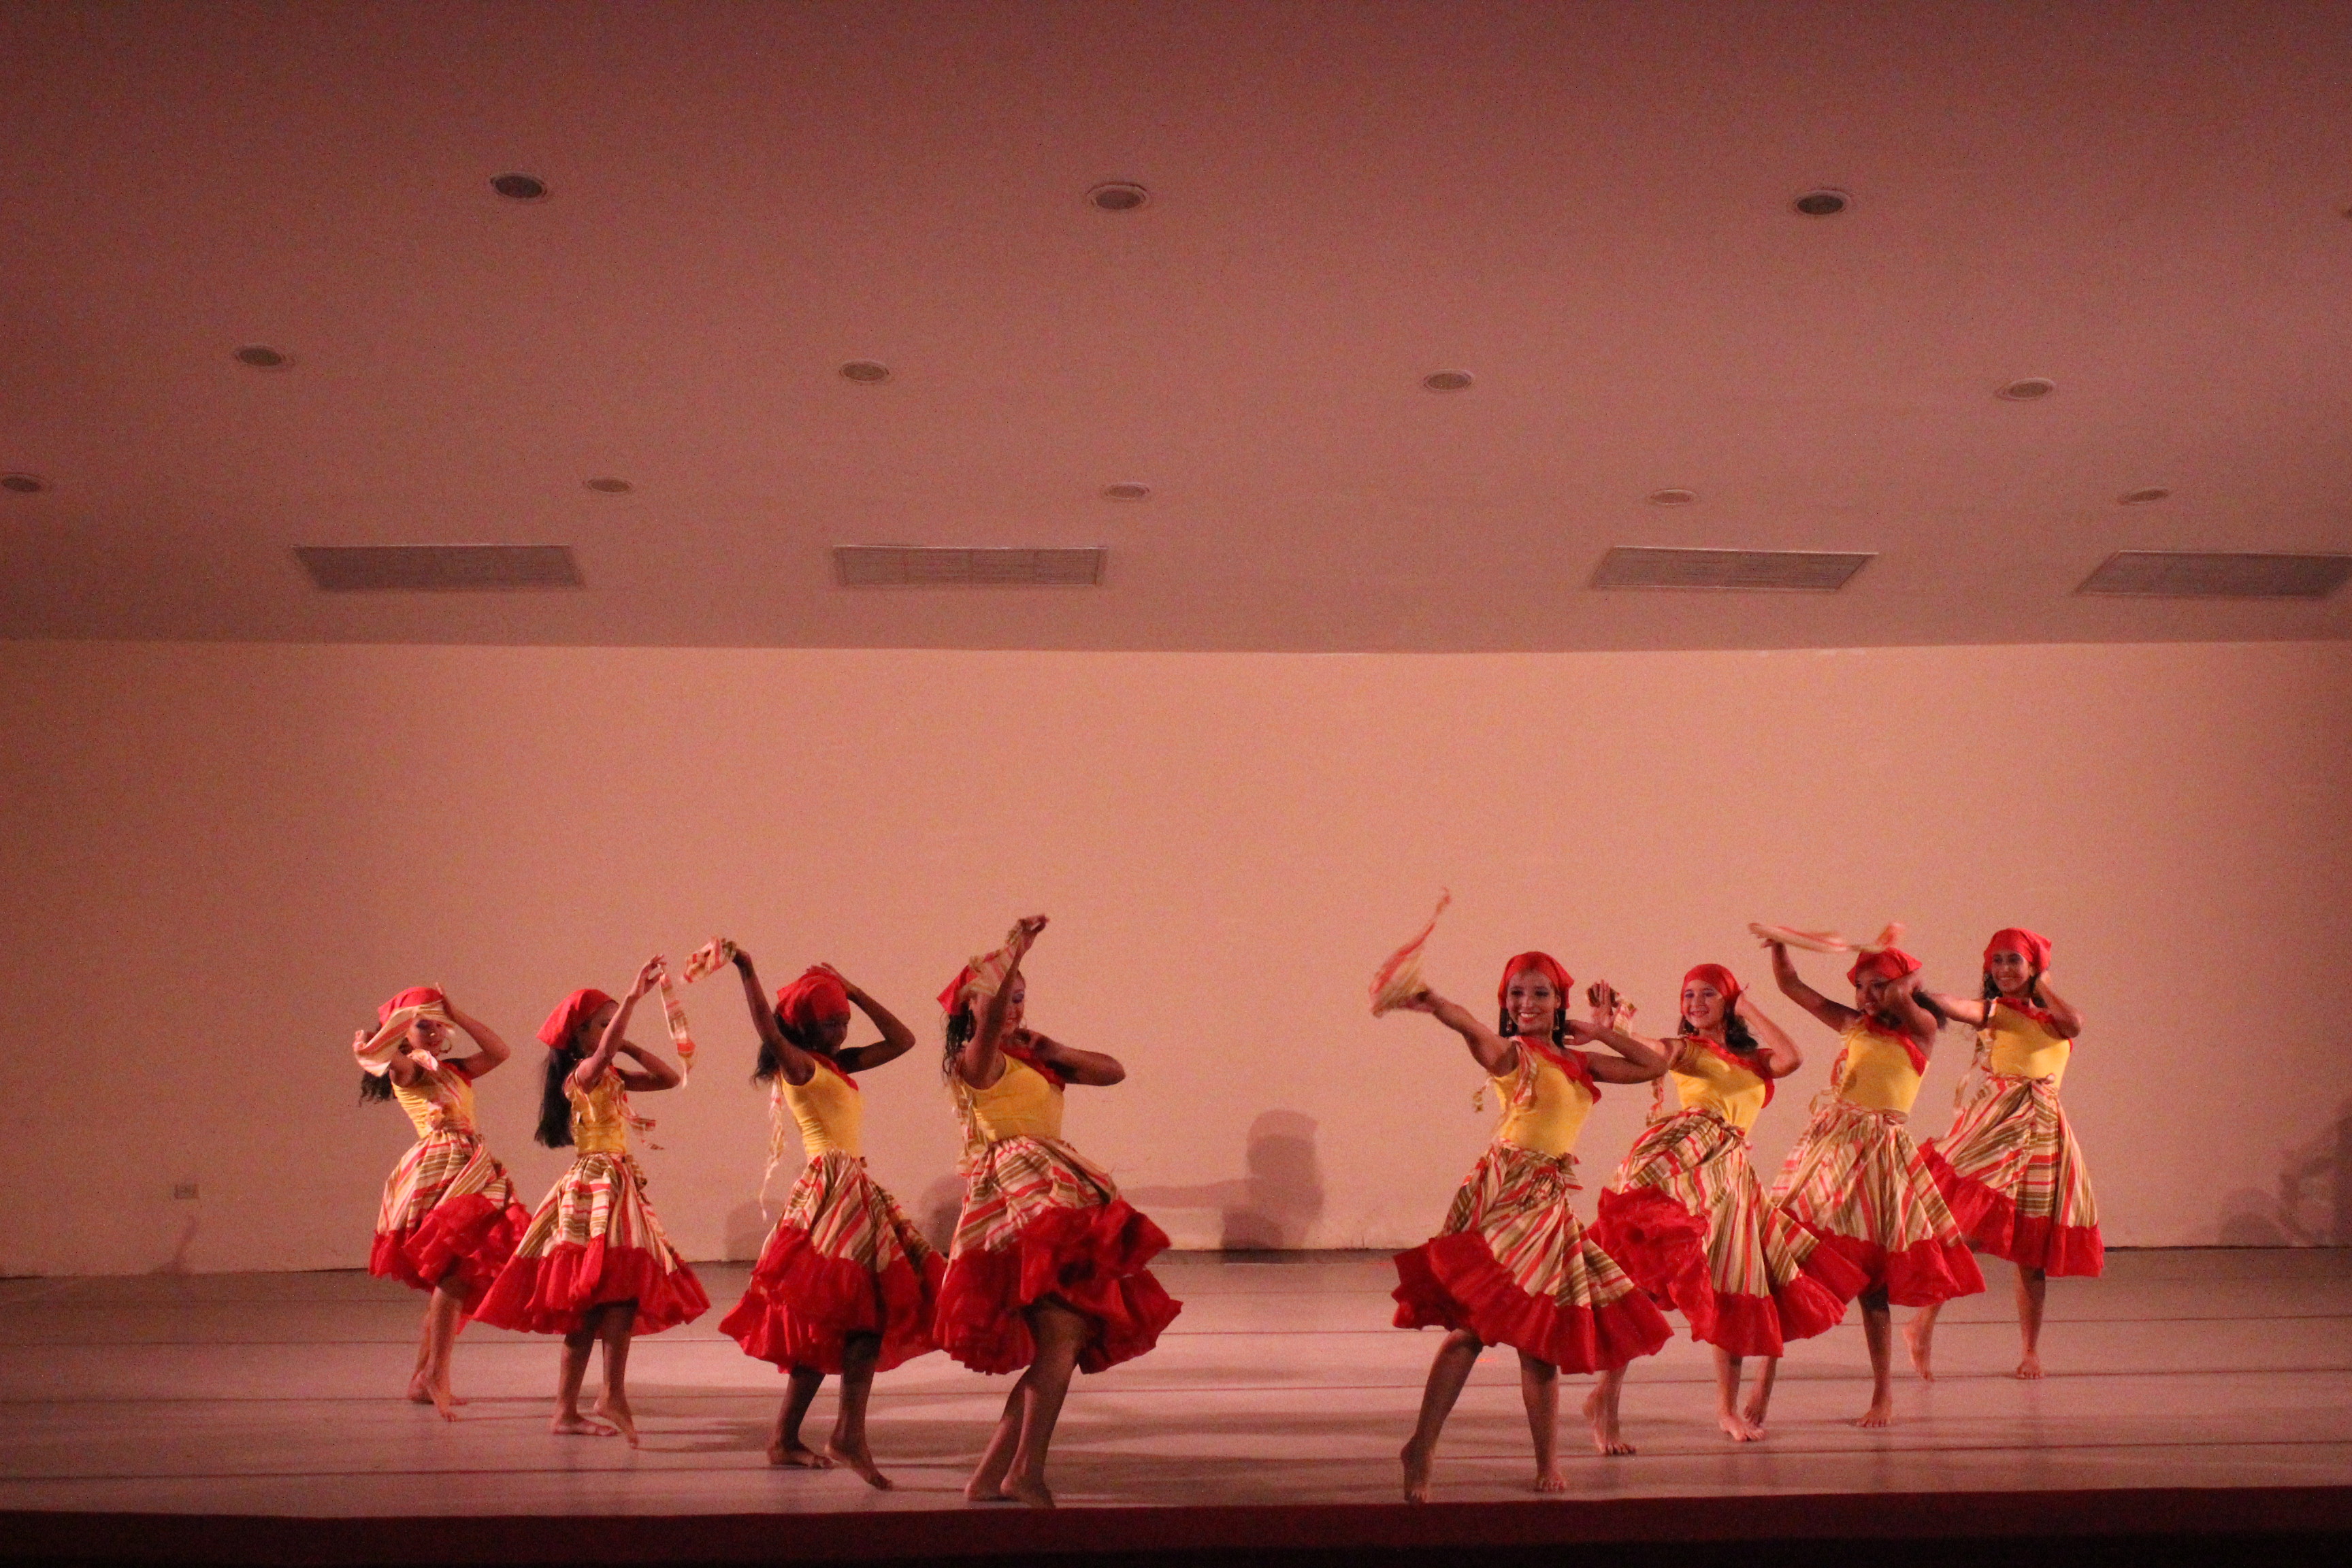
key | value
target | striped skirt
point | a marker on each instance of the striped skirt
(1688, 1220)
(843, 1260)
(1513, 1267)
(595, 1241)
(1041, 1224)
(2014, 1177)
(1856, 1181)
(448, 1215)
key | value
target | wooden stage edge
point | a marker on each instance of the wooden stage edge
(2267, 1524)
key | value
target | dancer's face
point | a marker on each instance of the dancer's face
(427, 1035)
(1702, 1006)
(1533, 1001)
(832, 1032)
(1876, 993)
(1016, 1000)
(2011, 971)
(592, 1030)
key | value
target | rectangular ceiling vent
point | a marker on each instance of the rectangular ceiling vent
(437, 568)
(2198, 574)
(962, 566)
(1788, 571)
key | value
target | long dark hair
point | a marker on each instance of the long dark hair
(962, 1024)
(374, 1086)
(1736, 1037)
(554, 1105)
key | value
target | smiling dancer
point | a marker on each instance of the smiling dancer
(449, 1219)
(1512, 1265)
(1047, 1272)
(594, 1266)
(1686, 1217)
(2010, 1167)
(1855, 1178)
(845, 1283)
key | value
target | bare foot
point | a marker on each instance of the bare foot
(1753, 1414)
(575, 1425)
(859, 1460)
(1551, 1480)
(1416, 1472)
(617, 1412)
(445, 1403)
(1880, 1414)
(1027, 1489)
(797, 1457)
(1606, 1438)
(1919, 1338)
(2030, 1367)
(1738, 1427)
(419, 1391)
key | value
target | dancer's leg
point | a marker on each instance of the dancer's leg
(570, 1373)
(848, 1444)
(1735, 1427)
(613, 1404)
(444, 1314)
(1760, 1397)
(1060, 1334)
(2032, 1284)
(1878, 1334)
(1447, 1373)
(1539, 1391)
(1919, 1338)
(987, 1483)
(1601, 1409)
(784, 1444)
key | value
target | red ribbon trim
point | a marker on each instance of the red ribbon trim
(1751, 1068)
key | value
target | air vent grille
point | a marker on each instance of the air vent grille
(437, 568)
(2194, 574)
(959, 567)
(1797, 571)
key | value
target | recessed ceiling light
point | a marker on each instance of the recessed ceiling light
(23, 484)
(2026, 390)
(2141, 497)
(1822, 203)
(866, 370)
(1446, 380)
(521, 188)
(610, 487)
(1118, 197)
(1671, 498)
(261, 356)
(1127, 492)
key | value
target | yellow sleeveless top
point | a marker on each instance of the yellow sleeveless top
(441, 1102)
(1543, 1108)
(597, 1127)
(830, 1110)
(1705, 1081)
(2023, 1046)
(1878, 1074)
(1022, 1103)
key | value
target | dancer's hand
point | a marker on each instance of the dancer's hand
(646, 977)
(1423, 1001)
(846, 983)
(1026, 929)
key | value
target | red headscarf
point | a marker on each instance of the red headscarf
(1543, 964)
(1727, 983)
(567, 1016)
(1722, 979)
(414, 996)
(1888, 964)
(814, 997)
(2016, 939)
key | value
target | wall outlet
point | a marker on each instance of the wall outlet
(183, 1192)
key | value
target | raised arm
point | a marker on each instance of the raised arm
(980, 1062)
(1092, 1068)
(792, 1061)
(2061, 1012)
(1498, 1055)
(897, 1038)
(1780, 1055)
(1911, 1016)
(613, 1042)
(489, 1052)
(1970, 1010)
(1837, 1016)
(1643, 1059)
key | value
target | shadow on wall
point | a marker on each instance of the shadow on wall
(178, 1262)
(2313, 1205)
(937, 1210)
(747, 1232)
(1277, 1200)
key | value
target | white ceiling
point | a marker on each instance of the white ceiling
(1585, 206)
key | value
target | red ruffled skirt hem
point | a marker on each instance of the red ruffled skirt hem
(1661, 1248)
(1453, 1281)
(1992, 1223)
(470, 1238)
(1924, 1274)
(802, 1307)
(552, 1294)
(1090, 1260)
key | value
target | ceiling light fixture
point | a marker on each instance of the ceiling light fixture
(610, 487)
(866, 371)
(1127, 492)
(1446, 381)
(2027, 390)
(1822, 203)
(23, 484)
(521, 188)
(1671, 497)
(1118, 197)
(2141, 497)
(261, 356)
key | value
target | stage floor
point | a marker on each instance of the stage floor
(1282, 1383)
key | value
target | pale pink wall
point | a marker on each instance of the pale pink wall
(220, 857)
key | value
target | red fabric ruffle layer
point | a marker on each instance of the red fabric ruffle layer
(1091, 1260)
(1455, 1282)
(552, 1295)
(1662, 1247)
(1990, 1221)
(802, 1307)
(470, 1237)
(1921, 1275)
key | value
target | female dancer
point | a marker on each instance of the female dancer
(1855, 1179)
(2010, 1167)
(594, 1265)
(1686, 1218)
(1512, 1265)
(1047, 1271)
(449, 1220)
(845, 1283)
